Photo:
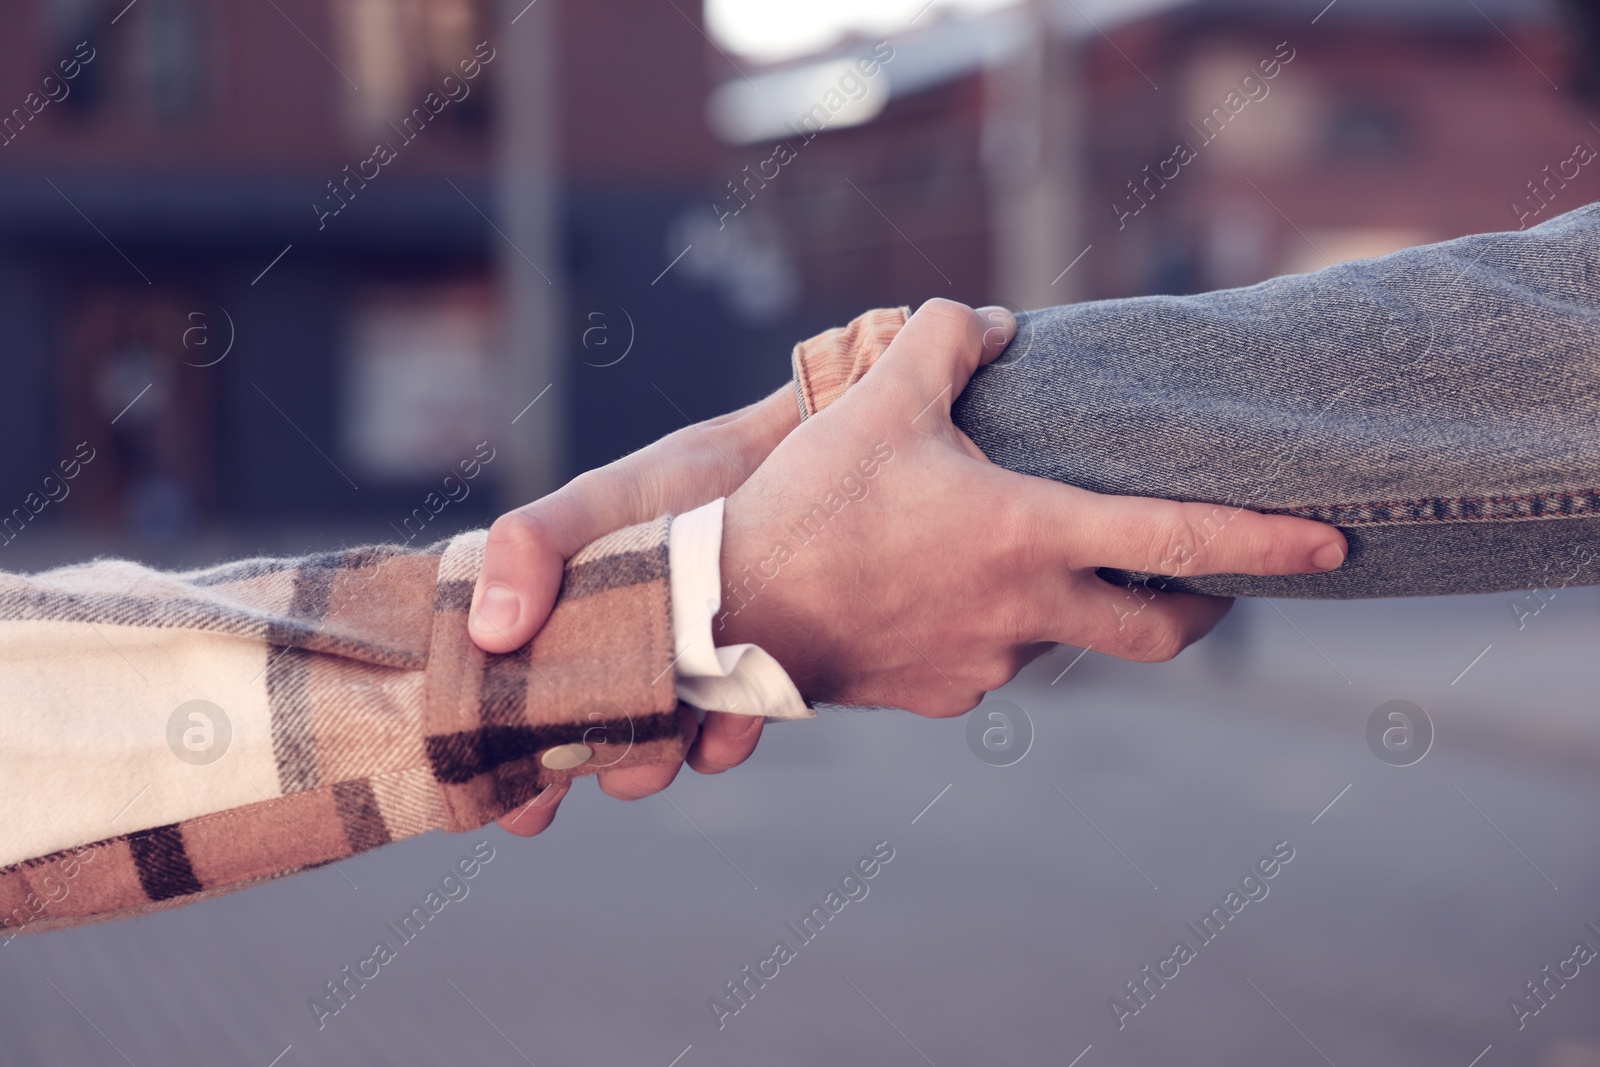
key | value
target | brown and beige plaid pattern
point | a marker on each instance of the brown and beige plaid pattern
(385, 719)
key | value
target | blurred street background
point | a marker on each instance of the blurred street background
(282, 264)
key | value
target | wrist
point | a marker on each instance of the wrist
(755, 430)
(763, 603)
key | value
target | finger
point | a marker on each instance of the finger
(647, 779)
(1181, 539)
(999, 328)
(636, 783)
(521, 576)
(725, 741)
(536, 815)
(526, 554)
(1141, 622)
(935, 354)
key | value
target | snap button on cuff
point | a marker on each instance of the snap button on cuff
(566, 757)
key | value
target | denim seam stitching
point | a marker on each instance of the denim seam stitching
(1453, 509)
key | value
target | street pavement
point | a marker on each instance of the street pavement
(1029, 883)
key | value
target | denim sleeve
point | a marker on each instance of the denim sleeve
(1441, 405)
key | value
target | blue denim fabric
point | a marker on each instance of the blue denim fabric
(1441, 405)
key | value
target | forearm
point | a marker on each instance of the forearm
(705, 460)
(1439, 405)
(341, 706)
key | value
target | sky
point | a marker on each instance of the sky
(778, 29)
(774, 30)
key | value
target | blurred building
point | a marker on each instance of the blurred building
(1396, 122)
(254, 255)
(293, 261)
(1157, 147)
(209, 278)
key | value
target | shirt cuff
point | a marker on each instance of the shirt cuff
(739, 679)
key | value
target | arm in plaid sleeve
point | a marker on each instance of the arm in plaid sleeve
(168, 737)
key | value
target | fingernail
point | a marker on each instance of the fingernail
(497, 610)
(1327, 558)
(736, 725)
(548, 795)
(998, 318)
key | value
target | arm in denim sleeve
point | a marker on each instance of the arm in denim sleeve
(1441, 405)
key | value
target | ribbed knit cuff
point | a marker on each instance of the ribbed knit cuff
(831, 362)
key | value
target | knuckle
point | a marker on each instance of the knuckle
(1177, 539)
(993, 675)
(1272, 547)
(944, 705)
(516, 531)
(950, 315)
(1022, 532)
(1023, 521)
(1152, 640)
(939, 306)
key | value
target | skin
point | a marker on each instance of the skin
(933, 588)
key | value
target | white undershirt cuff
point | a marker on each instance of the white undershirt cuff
(739, 679)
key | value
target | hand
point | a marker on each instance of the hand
(884, 561)
(528, 548)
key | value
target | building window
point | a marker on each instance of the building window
(133, 393)
(169, 58)
(399, 51)
(1368, 130)
(67, 23)
(417, 381)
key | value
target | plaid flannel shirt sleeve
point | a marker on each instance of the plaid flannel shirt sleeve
(172, 736)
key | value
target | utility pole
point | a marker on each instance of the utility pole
(1034, 161)
(527, 178)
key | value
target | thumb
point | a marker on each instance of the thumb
(936, 353)
(999, 329)
(524, 560)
